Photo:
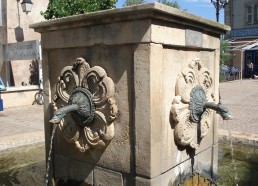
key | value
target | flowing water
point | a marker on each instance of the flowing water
(246, 163)
(50, 152)
(232, 155)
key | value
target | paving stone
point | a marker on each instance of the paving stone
(241, 98)
(21, 126)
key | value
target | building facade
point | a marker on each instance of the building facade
(20, 76)
(242, 17)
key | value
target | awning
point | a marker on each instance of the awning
(251, 47)
(242, 45)
(238, 44)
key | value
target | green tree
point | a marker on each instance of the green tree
(63, 8)
(170, 3)
(133, 2)
(225, 55)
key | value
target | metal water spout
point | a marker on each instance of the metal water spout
(61, 113)
(221, 110)
(80, 105)
(198, 104)
(82, 110)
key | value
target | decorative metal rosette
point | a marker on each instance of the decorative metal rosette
(80, 80)
(189, 128)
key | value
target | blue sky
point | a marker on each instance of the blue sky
(203, 8)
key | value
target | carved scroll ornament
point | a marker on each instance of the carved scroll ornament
(190, 128)
(84, 105)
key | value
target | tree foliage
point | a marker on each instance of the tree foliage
(170, 3)
(133, 2)
(165, 2)
(224, 52)
(63, 8)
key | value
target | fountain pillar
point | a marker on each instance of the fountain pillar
(137, 67)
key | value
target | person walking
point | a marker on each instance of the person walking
(250, 69)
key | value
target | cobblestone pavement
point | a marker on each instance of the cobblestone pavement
(241, 98)
(21, 126)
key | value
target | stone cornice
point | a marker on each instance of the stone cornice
(131, 13)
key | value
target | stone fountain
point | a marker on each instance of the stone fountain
(134, 92)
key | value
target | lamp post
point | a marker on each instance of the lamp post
(26, 6)
(219, 4)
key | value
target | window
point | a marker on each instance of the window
(252, 14)
(256, 13)
(249, 14)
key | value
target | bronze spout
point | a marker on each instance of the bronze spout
(221, 110)
(198, 104)
(60, 113)
(80, 105)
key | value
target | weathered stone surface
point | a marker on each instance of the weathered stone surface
(143, 49)
(103, 177)
(147, 68)
(139, 181)
(108, 34)
(193, 38)
(110, 59)
(167, 34)
(72, 169)
(200, 163)
(214, 163)
(173, 61)
(209, 41)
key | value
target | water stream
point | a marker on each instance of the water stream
(246, 161)
(232, 154)
(50, 152)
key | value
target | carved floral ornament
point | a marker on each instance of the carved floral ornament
(193, 83)
(84, 105)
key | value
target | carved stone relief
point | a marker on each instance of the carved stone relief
(84, 105)
(190, 128)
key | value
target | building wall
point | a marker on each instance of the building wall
(244, 28)
(19, 18)
(3, 30)
(236, 14)
(227, 13)
(15, 28)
